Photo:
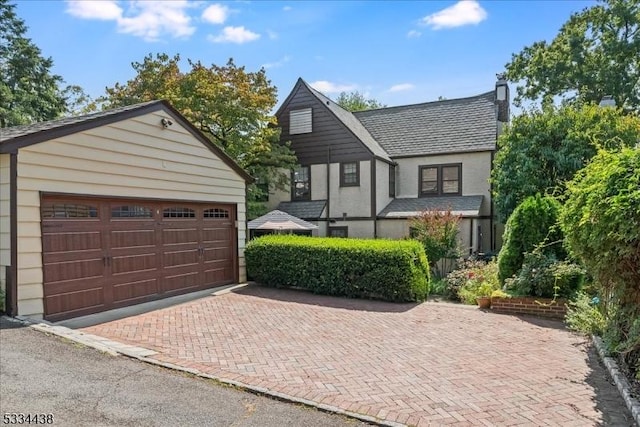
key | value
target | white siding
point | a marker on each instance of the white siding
(5, 238)
(132, 158)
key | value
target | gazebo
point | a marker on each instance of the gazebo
(278, 222)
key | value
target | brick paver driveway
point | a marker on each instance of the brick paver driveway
(427, 364)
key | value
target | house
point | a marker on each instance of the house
(364, 174)
(116, 208)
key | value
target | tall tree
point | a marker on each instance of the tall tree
(596, 53)
(356, 101)
(29, 92)
(227, 103)
(541, 150)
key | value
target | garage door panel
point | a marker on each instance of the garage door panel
(86, 299)
(183, 258)
(218, 276)
(143, 262)
(134, 290)
(180, 236)
(127, 239)
(72, 241)
(69, 270)
(181, 282)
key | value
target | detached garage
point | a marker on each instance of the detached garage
(113, 209)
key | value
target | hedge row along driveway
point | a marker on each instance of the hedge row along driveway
(392, 270)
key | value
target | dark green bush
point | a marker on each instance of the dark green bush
(533, 222)
(393, 270)
(542, 275)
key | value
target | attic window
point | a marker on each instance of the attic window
(300, 121)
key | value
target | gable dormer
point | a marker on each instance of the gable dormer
(319, 129)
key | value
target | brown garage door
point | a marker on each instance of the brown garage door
(100, 254)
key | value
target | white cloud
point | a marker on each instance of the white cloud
(147, 19)
(329, 87)
(237, 35)
(277, 64)
(401, 87)
(272, 34)
(216, 14)
(287, 8)
(465, 12)
(413, 34)
(102, 10)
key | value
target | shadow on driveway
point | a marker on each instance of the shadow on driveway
(309, 298)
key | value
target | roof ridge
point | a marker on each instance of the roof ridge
(443, 101)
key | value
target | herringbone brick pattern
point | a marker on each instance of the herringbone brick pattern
(428, 364)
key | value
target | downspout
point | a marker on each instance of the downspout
(373, 197)
(328, 190)
(12, 284)
(492, 237)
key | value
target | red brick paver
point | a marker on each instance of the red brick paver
(427, 364)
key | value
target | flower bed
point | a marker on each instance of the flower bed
(543, 307)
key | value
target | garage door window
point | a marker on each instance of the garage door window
(68, 210)
(178, 213)
(216, 213)
(131, 212)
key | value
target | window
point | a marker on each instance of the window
(178, 213)
(339, 231)
(68, 210)
(216, 213)
(392, 180)
(350, 174)
(300, 121)
(440, 180)
(131, 212)
(301, 184)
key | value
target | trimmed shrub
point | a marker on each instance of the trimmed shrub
(393, 270)
(533, 223)
(542, 275)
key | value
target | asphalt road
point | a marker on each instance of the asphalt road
(80, 386)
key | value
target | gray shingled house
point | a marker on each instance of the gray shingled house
(364, 174)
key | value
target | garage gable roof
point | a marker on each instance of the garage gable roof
(16, 137)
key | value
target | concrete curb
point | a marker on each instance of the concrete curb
(115, 348)
(619, 379)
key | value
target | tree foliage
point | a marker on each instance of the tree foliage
(541, 150)
(356, 101)
(231, 105)
(596, 53)
(533, 223)
(601, 221)
(29, 92)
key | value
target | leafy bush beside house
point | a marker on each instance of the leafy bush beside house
(393, 270)
(601, 221)
(438, 232)
(481, 281)
(533, 223)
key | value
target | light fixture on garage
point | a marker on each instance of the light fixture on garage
(166, 122)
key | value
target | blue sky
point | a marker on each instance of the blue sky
(398, 52)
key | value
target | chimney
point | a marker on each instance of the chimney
(502, 98)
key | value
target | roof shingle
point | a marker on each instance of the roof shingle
(440, 127)
(305, 209)
(467, 206)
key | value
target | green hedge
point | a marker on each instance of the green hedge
(393, 270)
